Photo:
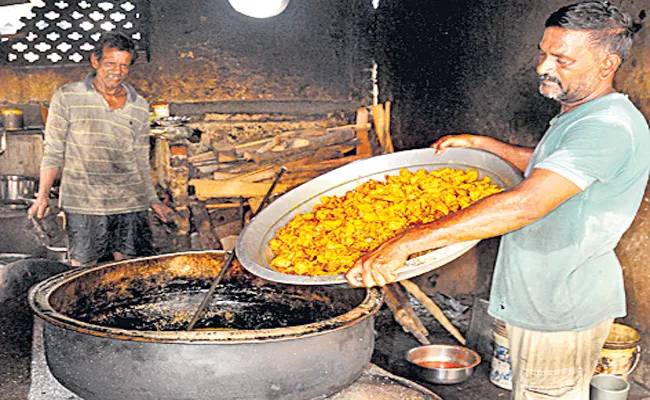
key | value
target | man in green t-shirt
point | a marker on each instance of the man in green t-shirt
(557, 282)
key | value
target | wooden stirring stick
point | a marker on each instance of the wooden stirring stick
(403, 312)
(433, 309)
(231, 257)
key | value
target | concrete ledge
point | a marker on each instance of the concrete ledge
(305, 107)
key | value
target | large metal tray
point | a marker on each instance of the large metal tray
(252, 247)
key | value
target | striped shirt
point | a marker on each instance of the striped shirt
(103, 153)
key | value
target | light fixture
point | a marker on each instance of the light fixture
(259, 8)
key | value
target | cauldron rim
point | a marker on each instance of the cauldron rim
(40, 293)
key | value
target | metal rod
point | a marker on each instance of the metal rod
(208, 295)
(242, 214)
(266, 198)
(231, 257)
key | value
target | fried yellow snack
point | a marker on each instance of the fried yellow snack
(330, 238)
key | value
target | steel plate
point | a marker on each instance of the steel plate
(252, 247)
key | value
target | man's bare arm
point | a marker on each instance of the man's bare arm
(495, 215)
(45, 182)
(515, 155)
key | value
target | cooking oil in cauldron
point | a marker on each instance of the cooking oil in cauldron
(232, 308)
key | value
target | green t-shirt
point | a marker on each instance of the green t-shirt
(560, 273)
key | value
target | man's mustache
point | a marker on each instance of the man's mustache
(548, 78)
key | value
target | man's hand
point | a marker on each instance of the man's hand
(38, 208)
(464, 140)
(378, 267)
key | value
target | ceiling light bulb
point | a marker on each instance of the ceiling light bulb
(259, 8)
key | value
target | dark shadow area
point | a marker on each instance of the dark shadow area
(16, 321)
(447, 69)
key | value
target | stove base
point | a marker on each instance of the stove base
(375, 383)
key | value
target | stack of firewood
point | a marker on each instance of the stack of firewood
(213, 190)
(248, 169)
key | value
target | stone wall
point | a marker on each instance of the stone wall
(238, 78)
(205, 58)
(206, 51)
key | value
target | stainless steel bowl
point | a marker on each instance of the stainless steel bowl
(17, 187)
(444, 364)
(253, 249)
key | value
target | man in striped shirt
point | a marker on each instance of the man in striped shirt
(97, 136)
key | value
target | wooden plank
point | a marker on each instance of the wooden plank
(363, 148)
(208, 239)
(223, 176)
(294, 154)
(251, 176)
(227, 156)
(221, 206)
(288, 144)
(290, 107)
(160, 165)
(179, 173)
(326, 153)
(398, 312)
(325, 165)
(389, 141)
(254, 203)
(208, 188)
(293, 182)
(299, 162)
(281, 157)
(379, 121)
(251, 146)
(203, 157)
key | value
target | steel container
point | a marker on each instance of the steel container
(253, 243)
(466, 361)
(117, 331)
(12, 119)
(17, 187)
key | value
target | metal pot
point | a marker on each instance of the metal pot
(3, 142)
(117, 331)
(12, 119)
(18, 272)
(17, 187)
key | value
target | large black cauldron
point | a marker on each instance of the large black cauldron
(116, 331)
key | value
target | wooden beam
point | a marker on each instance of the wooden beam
(389, 141)
(324, 165)
(251, 176)
(208, 188)
(404, 314)
(289, 107)
(208, 239)
(363, 148)
(379, 122)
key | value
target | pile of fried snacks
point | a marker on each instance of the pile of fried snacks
(330, 238)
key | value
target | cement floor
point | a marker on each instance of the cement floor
(392, 343)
